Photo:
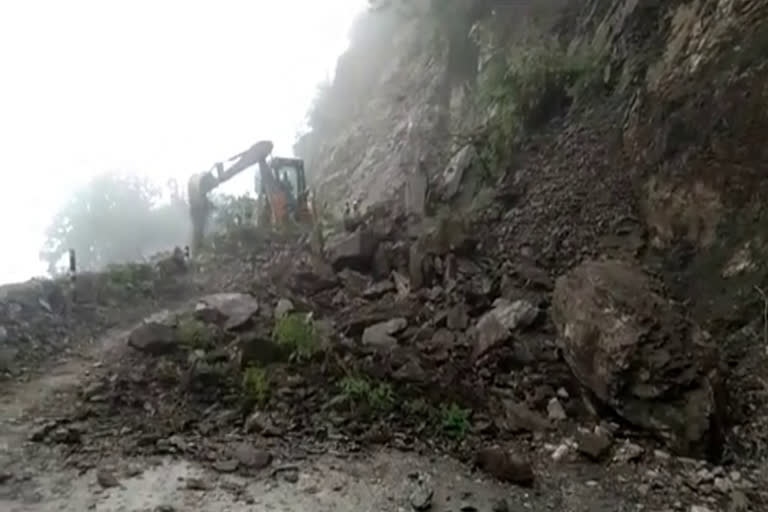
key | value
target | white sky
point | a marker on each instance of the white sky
(156, 87)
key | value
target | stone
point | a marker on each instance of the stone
(3, 334)
(291, 476)
(228, 310)
(351, 250)
(517, 417)
(353, 282)
(106, 479)
(411, 371)
(444, 235)
(505, 466)
(555, 410)
(488, 333)
(251, 457)
(628, 452)
(560, 452)
(197, 484)
(226, 466)
(378, 290)
(402, 284)
(497, 325)
(416, 260)
(421, 498)
(594, 445)
(515, 315)
(636, 352)
(453, 175)
(156, 335)
(284, 306)
(457, 318)
(260, 422)
(380, 335)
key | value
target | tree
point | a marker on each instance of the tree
(113, 219)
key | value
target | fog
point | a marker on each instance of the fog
(157, 88)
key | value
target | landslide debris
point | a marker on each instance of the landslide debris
(307, 356)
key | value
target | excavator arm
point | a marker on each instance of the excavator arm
(256, 154)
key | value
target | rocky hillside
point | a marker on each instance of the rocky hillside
(618, 124)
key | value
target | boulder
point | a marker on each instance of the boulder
(515, 315)
(351, 250)
(228, 310)
(453, 175)
(283, 307)
(457, 318)
(637, 353)
(156, 335)
(497, 325)
(505, 466)
(443, 235)
(381, 335)
(488, 333)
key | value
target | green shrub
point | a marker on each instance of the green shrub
(418, 407)
(298, 333)
(525, 86)
(195, 334)
(256, 385)
(379, 397)
(455, 420)
(129, 275)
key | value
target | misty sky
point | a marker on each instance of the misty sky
(162, 88)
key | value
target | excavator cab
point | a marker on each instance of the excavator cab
(289, 197)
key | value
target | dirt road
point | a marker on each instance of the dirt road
(39, 477)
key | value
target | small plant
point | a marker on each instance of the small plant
(455, 420)
(195, 334)
(297, 332)
(354, 388)
(417, 407)
(129, 275)
(379, 397)
(256, 385)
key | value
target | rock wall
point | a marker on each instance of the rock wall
(669, 146)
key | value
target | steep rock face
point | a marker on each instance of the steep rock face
(381, 101)
(665, 162)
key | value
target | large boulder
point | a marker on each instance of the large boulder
(637, 353)
(155, 335)
(351, 250)
(227, 310)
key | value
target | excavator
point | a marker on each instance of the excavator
(283, 190)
